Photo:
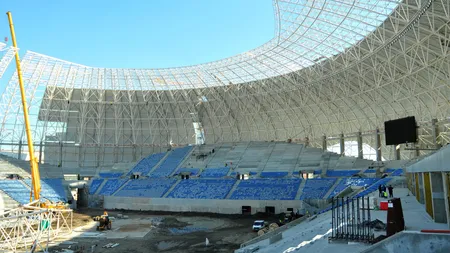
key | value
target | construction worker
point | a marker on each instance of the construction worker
(105, 213)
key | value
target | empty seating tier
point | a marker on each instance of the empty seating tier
(51, 189)
(317, 188)
(267, 189)
(172, 161)
(273, 174)
(362, 182)
(215, 172)
(111, 186)
(146, 188)
(110, 174)
(16, 190)
(202, 189)
(341, 173)
(95, 185)
(146, 164)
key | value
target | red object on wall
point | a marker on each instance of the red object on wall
(438, 231)
(384, 205)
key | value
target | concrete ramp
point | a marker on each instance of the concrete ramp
(412, 242)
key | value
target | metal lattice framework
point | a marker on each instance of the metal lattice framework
(30, 226)
(334, 66)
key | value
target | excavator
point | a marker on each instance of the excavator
(35, 176)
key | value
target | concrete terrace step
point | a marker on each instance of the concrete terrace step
(236, 184)
(171, 188)
(300, 189)
(332, 188)
(6, 202)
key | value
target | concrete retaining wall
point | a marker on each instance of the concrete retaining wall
(412, 242)
(224, 206)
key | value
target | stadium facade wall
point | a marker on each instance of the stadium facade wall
(198, 205)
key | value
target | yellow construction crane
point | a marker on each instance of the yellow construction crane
(35, 177)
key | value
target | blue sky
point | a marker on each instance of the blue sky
(141, 33)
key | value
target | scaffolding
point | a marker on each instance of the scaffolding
(31, 227)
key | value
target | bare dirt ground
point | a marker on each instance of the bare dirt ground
(161, 232)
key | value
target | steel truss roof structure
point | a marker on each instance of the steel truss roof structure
(333, 66)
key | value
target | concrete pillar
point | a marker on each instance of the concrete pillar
(421, 191)
(446, 184)
(60, 154)
(435, 133)
(437, 194)
(342, 144)
(397, 152)
(360, 145)
(324, 143)
(378, 144)
(19, 155)
(40, 152)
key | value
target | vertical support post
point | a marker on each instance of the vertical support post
(342, 144)
(435, 133)
(358, 220)
(333, 232)
(378, 144)
(369, 228)
(343, 218)
(360, 146)
(363, 225)
(353, 219)
(338, 221)
(347, 222)
(397, 152)
(60, 164)
(324, 143)
(40, 152)
(19, 155)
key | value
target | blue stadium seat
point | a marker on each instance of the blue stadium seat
(341, 173)
(111, 186)
(16, 190)
(317, 172)
(110, 174)
(215, 172)
(202, 189)
(51, 189)
(317, 188)
(346, 182)
(369, 171)
(273, 174)
(96, 182)
(172, 161)
(146, 164)
(267, 189)
(146, 188)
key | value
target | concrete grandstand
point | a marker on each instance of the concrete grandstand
(284, 127)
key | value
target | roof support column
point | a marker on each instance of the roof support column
(324, 143)
(435, 133)
(360, 145)
(342, 144)
(19, 155)
(378, 144)
(397, 152)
